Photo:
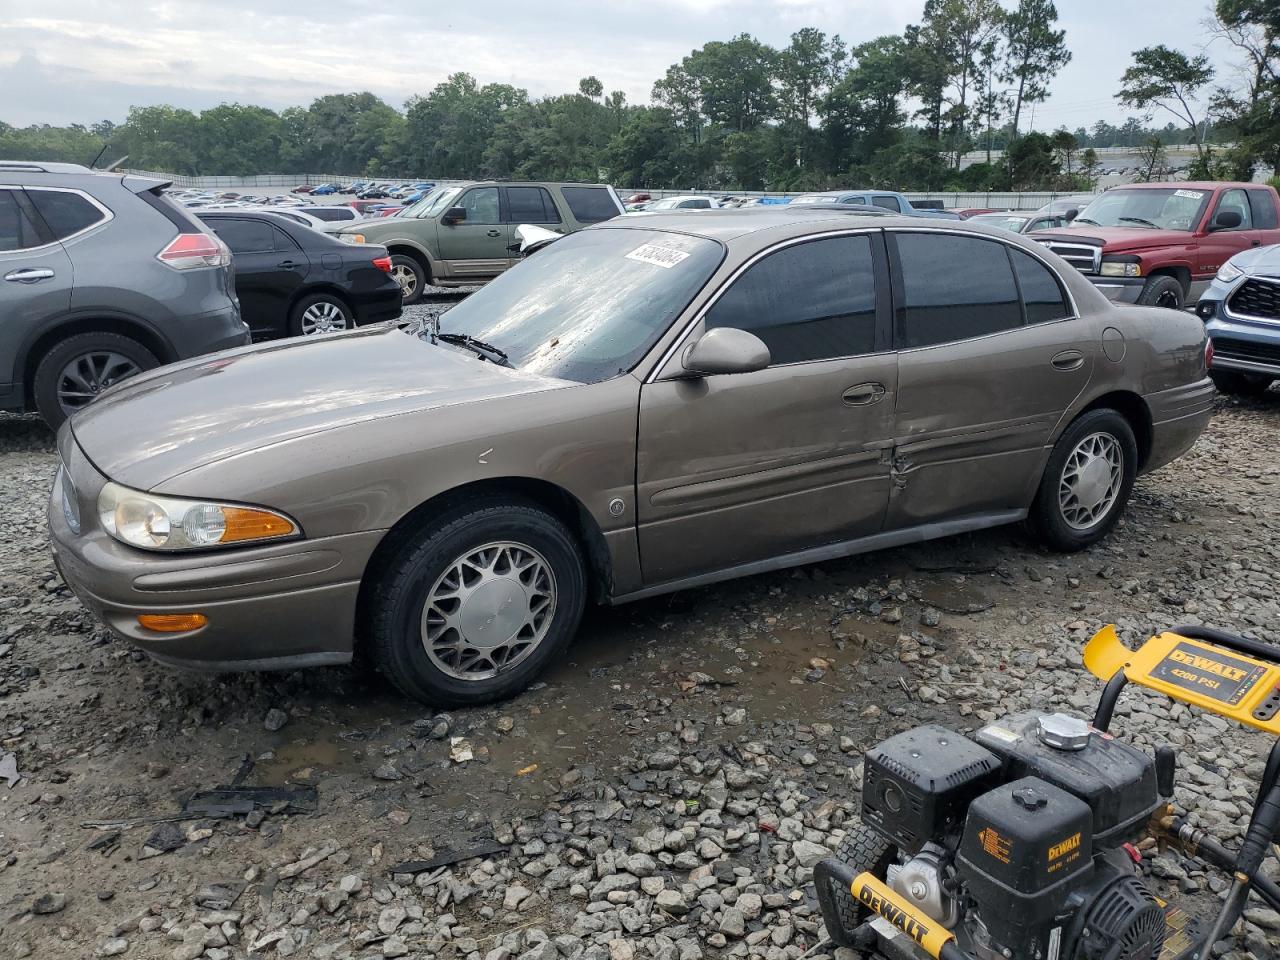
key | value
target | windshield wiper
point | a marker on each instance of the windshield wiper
(1086, 220)
(1140, 220)
(486, 351)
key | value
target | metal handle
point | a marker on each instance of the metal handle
(29, 275)
(863, 394)
(286, 264)
(1067, 360)
(494, 233)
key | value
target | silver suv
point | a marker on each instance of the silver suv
(101, 277)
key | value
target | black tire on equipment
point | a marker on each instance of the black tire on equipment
(1240, 384)
(864, 851)
(1046, 519)
(1162, 287)
(44, 385)
(404, 580)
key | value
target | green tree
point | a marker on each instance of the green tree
(1170, 80)
(735, 80)
(1032, 164)
(863, 113)
(591, 87)
(1250, 112)
(1034, 53)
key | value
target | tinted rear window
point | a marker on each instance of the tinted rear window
(530, 205)
(889, 203)
(1041, 293)
(243, 236)
(1264, 209)
(16, 231)
(65, 213)
(955, 288)
(590, 204)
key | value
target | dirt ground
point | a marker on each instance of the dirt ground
(733, 716)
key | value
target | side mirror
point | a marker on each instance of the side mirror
(454, 215)
(726, 350)
(1071, 214)
(1227, 220)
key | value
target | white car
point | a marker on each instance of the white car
(687, 202)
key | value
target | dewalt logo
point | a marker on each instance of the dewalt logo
(1209, 665)
(904, 921)
(1060, 850)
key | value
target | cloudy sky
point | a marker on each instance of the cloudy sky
(66, 61)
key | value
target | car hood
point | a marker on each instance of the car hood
(1259, 261)
(1116, 239)
(174, 419)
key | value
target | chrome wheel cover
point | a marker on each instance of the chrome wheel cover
(488, 611)
(407, 279)
(323, 317)
(1091, 480)
(87, 375)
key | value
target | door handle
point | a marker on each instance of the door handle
(1255, 243)
(494, 233)
(1068, 360)
(286, 264)
(863, 394)
(30, 275)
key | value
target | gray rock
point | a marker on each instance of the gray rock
(732, 923)
(48, 903)
(275, 719)
(808, 852)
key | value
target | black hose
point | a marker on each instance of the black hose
(1215, 854)
(1246, 645)
(1257, 840)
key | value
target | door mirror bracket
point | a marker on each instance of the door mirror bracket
(725, 350)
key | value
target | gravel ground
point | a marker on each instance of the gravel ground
(664, 793)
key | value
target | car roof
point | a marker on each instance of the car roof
(723, 224)
(1206, 185)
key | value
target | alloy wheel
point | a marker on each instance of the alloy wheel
(1091, 480)
(407, 279)
(325, 316)
(1169, 299)
(86, 376)
(489, 610)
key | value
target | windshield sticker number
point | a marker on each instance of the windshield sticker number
(657, 255)
(1188, 194)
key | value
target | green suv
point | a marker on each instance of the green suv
(465, 234)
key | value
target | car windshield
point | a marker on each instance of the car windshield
(1000, 220)
(1153, 209)
(590, 306)
(434, 203)
(667, 203)
(420, 206)
(814, 198)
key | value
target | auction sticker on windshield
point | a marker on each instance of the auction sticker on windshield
(658, 255)
(1188, 194)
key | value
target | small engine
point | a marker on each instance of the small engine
(1015, 840)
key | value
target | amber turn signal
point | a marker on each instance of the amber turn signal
(245, 524)
(172, 622)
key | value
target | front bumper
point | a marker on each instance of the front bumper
(1244, 344)
(1120, 289)
(277, 606)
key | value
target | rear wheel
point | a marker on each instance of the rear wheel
(1241, 384)
(863, 851)
(319, 313)
(409, 274)
(1162, 292)
(1087, 481)
(473, 607)
(75, 371)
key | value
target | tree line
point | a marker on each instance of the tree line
(897, 111)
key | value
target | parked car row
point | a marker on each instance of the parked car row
(646, 404)
(106, 276)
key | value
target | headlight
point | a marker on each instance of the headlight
(1228, 272)
(168, 523)
(1120, 268)
(351, 237)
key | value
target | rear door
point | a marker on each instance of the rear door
(741, 468)
(269, 269)
(1262, 204)
(477, 247)
(532, 205)
(989, 359)
(36, 281)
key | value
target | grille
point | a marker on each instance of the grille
(1256, 298)
(1229, 348)
(1084, 257)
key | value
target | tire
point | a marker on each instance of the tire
(1162, 291)
(505, 534)
(1240, 384)
(320, 313)
(1065, 515)
(863, 850)
(411, 277)
(76, 370)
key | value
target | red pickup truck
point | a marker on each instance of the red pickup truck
(1161, 243)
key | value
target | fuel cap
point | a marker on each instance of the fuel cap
(1029, 799)
(1064, 732)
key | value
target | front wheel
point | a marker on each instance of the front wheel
(409, 274)
(1087, 481)
(473, 607)
(1240, 384)
(1162, 292)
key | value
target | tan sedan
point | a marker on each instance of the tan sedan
(647, 405)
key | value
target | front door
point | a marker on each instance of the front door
(1220, 244)
(739, 468)
(476, 246)
(989, 360)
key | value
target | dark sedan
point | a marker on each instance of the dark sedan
(295, 281)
